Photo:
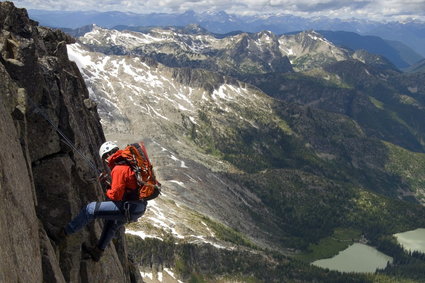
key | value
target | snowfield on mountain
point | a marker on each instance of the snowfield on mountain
(136, 99)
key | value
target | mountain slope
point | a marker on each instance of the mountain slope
(418, 67)
(157, 106)
(387, 104)
(264, 167)
(341, 77)
(393, 51)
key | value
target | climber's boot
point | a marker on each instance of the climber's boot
(58, 235)
(93, 253)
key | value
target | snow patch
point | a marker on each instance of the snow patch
(156, 113)
(182, 108)
(81, 60)
(208, 228)
(413, 89)
(290, 52)
(202, 239)
(171, 273)
(193, 120)
(162, 222)
(182, 163)
(178, 183)
(224, 92)
(142, 234)
(147, 274)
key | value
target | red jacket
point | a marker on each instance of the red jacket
(122, 178)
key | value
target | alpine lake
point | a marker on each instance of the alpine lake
(356, 258)
(362, 258)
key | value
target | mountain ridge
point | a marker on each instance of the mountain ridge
(375, 45)
(409, 33)
(238, 54)
(350, 42)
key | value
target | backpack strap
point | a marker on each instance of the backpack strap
(131, 194)
(142, 149)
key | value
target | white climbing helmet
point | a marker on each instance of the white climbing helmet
(107, 147)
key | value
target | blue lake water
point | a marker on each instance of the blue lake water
(412, 240)
(356, 258)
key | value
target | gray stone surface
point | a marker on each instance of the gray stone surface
(43, 182)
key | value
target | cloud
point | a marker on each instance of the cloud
(373, 9)
(331, 5)
(393, 7)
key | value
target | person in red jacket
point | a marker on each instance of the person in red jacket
(121, 208)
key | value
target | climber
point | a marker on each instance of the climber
(121, 208)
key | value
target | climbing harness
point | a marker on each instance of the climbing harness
(127, 213)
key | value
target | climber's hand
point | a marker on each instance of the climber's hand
(104, 180)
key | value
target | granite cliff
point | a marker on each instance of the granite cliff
(43, 182)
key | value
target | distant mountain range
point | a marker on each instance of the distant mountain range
(398, 53)
(343, 44)
(410, 34)
(418, 67)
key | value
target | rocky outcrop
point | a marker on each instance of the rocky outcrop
(43, 182)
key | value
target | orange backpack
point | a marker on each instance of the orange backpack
(136, 156)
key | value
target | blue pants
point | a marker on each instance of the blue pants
(114, 212)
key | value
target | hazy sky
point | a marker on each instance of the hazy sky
(372, 9)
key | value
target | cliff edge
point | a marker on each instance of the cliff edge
(43, 182)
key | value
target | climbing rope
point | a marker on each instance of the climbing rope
(64, 139)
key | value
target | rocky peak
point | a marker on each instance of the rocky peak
(194, 29)
(80, 31)
(15, 20)
(374, 60)
(44, 183)
(308, 40)
(266, 36)
(309, 49)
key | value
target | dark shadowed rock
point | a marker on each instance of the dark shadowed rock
(43, 182)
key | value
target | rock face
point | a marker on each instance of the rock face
(43, 182)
